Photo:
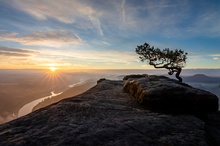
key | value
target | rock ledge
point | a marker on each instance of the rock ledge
(162, 93)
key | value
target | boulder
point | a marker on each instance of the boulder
(163, 93)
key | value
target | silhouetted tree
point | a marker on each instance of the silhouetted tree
(173, 60)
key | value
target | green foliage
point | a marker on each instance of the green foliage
(173, 60)
(165, 58)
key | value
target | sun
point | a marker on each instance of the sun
(53, 69)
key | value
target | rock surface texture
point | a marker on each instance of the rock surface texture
(162, 93)
(104, 115)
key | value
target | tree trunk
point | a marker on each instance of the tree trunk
(172, 70)
(178, 75)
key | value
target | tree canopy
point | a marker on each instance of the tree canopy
(173, 60)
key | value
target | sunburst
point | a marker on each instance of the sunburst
(53, 69)
(54, 78)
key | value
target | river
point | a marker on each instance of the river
(27, 108)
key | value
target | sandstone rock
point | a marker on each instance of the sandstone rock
(162, 93)
(104, 115)
(134, 76)
(100, 80)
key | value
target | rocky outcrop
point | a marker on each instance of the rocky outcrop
(134, 76)
(162, 93)
(104, 115)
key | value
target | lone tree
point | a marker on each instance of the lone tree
(173, 60)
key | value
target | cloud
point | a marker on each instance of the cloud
(50, 38)
(215, 55)
(67, 11)
(17, 58)
(166, 17)
(7, 49)
(83, 59)
(207, 23)
(95, 21)
(104, 56)
(14, 52)
(43, 10)
(123, 13)
(216, 58)
(103, 43)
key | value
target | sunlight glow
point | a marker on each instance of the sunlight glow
(53, 69)
(53, 79)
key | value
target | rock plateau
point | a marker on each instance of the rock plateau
(105, 115)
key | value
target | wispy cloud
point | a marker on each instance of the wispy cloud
(207, 23)
(215, 56)
(7, 49)
(97, 57)
(95, 21)
(166, 17)
(68, 11)
(123, 13)
(17, 58)
(104, 43)
(50, 38)
(14, 52)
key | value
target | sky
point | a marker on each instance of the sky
(103, 34)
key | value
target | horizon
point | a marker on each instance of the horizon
(95, 34)
(185, 72)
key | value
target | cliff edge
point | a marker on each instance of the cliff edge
(165, 94)
(106, 115)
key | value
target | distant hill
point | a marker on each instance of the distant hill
(201, 78)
